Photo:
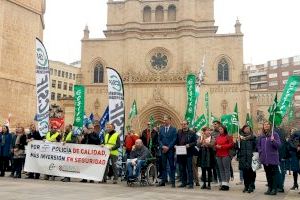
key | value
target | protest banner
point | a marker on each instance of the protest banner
(66, 160)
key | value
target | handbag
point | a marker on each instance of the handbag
(256, 165)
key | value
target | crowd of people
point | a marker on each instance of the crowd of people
(212, 149)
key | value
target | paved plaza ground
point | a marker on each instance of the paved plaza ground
(13, 189)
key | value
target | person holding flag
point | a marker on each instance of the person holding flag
(268, 146)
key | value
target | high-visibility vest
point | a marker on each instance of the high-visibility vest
(52, 138)
(68, 138)
(111, 142)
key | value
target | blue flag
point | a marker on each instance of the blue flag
(92, 117)
(104, 119)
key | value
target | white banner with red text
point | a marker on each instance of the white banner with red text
(66, 160)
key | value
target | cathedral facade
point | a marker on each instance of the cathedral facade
(21, 21)
(154, 45)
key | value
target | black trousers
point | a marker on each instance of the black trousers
(186, 169)
(18, 166)
(271, 174)
(206, 171)
(249, 178)
(4, 162)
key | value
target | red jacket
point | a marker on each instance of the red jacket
(226, 143)
(130, 141)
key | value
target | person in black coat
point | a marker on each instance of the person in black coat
(293, 145)
(90, 137)
(33, 135)
(19, 151)
(150, 140)
(206, 158)
(187, 138)
(246, 145)
(284, 156)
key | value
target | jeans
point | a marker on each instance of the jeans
(138, 167)
(168, 158)
(186, 169)
(281, 174)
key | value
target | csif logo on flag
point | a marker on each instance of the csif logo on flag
(115, 82)
(41, 58)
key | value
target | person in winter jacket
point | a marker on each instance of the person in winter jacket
(246, 145)
(268, 146)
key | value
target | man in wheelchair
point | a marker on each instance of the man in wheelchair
(137, 161)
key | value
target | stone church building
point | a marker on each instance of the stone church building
(154, 44)
(21, 21)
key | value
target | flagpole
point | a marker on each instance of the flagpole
(273, 124)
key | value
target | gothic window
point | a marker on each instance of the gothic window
(159, 14)
(172, 13)
(223, 70)
(98, 73)
(147, 14)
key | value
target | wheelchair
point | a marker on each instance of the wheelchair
(148, 175)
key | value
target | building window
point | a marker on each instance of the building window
(53, 83)
(285, 73)
(172, 13)
(296, 72)
(51, 71)
(59, 84)
(223, 70)
(159, 14)
(65, 85)
(55, 72)
(59, 73)
(58, 96)
(70, 87)
(52, 96)
(73, 76)
(274, 75)
(67, 75)
(64, 95)
(63, 74)
(273, 83)
(284, 82)
(147, 14)
(98, 74)
(70, 76)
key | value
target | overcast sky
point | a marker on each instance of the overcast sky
(271, 27)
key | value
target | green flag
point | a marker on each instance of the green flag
(291, 113)
(227, 122)
(191, 98)
(249, 121)
(235, 120)
(133, 110)
(152, 122)
(79, 105)
(207, 109)
(200, 122)
(275, 116)
(288, 93)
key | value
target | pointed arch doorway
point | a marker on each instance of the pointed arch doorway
(158, 112)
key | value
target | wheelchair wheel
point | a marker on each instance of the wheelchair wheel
(151, 174)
